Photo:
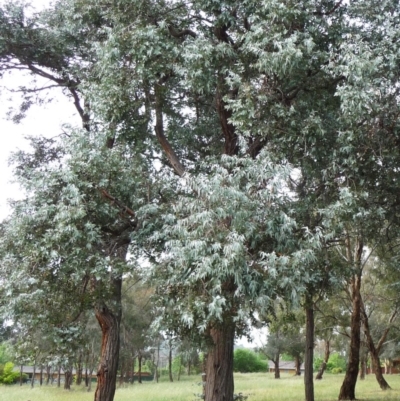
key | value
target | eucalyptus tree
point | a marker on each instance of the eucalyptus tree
(217, 91)
(69, 238)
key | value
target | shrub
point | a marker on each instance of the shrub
(7, 374)
(336, 370)
(247, 361)
(336, 361)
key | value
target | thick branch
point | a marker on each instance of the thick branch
(179, 34)
(159, 128)
(228, 129)
(117, 203)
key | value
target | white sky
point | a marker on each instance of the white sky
(45, 120)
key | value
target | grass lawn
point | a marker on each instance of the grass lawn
(258, 387)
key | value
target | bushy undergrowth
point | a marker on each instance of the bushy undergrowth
(247, 361)
(7, 374)
(336, 363)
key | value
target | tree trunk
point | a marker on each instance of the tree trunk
(325, 361)
(140, 368)
(79, 370)
(68, 378)
(374, 351)
(21, 374)
(156, 373)
(33, 376)
(309, 352)
(108, 366)
(41, 375)
(89, 388)
(277, 372)
(363, 364)
(48, 370)
(86, 377)
(219, 364)
(297, 364)
(347, 391)
(59, 376)
(180, 368)
(375, 360)
(171, 379)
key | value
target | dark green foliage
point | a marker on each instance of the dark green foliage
(247, 361)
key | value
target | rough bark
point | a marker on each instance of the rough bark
(277, 372)
(325, 361)
(309, 352)
(219, 364)
(109, 322)
(347, 391)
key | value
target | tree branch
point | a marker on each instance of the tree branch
(159, 129)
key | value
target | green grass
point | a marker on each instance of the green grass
(258, 386)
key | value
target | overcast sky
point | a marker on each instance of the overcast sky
(45, 120)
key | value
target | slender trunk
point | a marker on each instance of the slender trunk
(374, 351)
(363, 364)
(59, 376)
(21, 369)
(79, 370)
(133, 370)
(33, 376)
(86, 377)
(41, 375)
(348, 389)
(156, 376)
(180, 368)
(108, 366)
(297, 364)
(309, 352)
(325, 361)
(121, 374)
(189, 366)
(48, 369)
(68, 378)
(374, 355)
(90, 380)
(219, 364)
(277, 372)
(171, 379)
(140, 357)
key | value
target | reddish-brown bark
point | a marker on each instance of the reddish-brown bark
(219, 364)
